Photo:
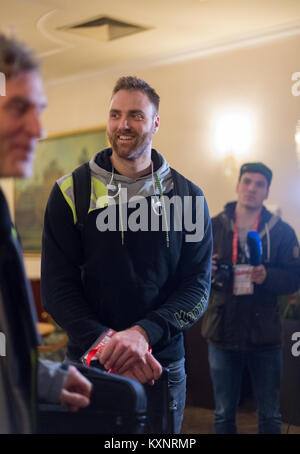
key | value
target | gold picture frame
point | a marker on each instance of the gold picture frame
(57, 155)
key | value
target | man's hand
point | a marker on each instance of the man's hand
(147, 373)
(258, 274)
(125, 348)
(127, 354)
(213, 264)
(76, 391)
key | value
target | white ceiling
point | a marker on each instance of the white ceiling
(176, 29)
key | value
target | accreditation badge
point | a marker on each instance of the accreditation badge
(242, 284)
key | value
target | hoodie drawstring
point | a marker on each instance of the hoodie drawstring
(161, 202)
(157, 180)
(268, 242)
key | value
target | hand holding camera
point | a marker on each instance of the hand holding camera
(221, 272)
(214, 265)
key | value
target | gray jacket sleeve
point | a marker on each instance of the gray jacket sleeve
(51, 378)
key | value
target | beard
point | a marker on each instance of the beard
(134, 148)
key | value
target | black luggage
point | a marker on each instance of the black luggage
(119, 405)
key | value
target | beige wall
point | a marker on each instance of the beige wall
(192, 92)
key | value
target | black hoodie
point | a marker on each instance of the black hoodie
(94, 282)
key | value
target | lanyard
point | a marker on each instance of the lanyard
(236, 235)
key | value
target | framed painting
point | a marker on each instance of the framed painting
(55, 156)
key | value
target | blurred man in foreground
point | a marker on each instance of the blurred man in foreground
(21, 103)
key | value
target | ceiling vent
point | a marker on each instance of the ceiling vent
(104, 28)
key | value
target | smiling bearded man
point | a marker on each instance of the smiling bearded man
(129, 291)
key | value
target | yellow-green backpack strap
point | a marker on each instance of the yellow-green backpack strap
(82, 193)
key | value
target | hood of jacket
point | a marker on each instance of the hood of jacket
(266, 222)
(265, 216)
(101, 169)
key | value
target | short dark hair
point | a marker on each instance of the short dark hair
(256, 167)
(132, 83)
(15, 57)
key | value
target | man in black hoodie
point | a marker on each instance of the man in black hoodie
(128, 285)
(242, 324)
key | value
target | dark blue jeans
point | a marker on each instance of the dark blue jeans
(177, 391)
(226, 369)
(176, 397)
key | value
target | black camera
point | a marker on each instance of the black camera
(221, 275)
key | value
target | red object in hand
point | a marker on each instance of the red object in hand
(89, 355)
